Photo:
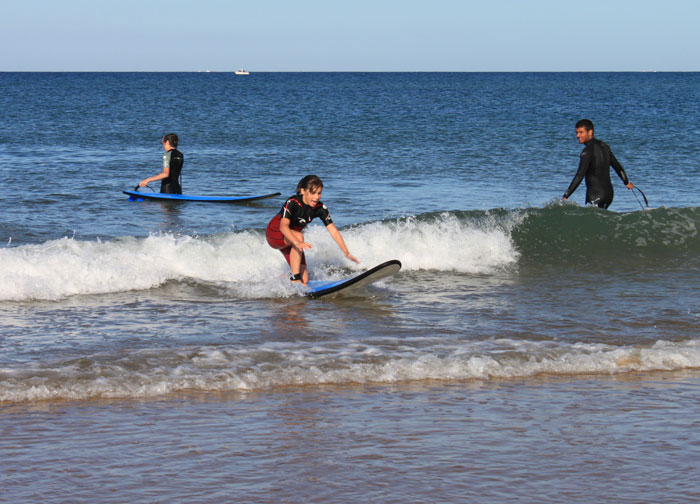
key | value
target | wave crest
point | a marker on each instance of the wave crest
(476, 242)
(150, 373)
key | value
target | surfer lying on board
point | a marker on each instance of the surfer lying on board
(284, 230)
(172, 166)
(595, 163)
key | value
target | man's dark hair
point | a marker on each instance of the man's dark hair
(172, 138)
(585, 123)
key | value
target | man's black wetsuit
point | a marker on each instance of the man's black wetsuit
(595, 163)
(173, 159)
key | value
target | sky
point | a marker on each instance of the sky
(356, 35)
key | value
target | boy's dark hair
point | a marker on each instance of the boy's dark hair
(309, 183)
(585, 123)
(172, 138)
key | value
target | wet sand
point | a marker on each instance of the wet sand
(631, 438)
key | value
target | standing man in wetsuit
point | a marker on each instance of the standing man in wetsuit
(172, 166)
(594, 166)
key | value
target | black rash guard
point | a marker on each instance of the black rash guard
(300, 214)
(173, 159)
(595, 163)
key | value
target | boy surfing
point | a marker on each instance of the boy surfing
(284, 232)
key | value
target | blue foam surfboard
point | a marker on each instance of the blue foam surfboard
(319, 288)
(140, 196)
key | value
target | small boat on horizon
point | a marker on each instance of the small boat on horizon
(242, 72)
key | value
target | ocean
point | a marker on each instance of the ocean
(530, 350)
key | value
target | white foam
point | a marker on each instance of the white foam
(243, 260)
(66, 267)
(149, 373)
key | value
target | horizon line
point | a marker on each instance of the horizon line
(351, 71)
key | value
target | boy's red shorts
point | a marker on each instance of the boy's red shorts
(275, 239)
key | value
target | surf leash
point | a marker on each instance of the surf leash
(147, 185)
(643, 196)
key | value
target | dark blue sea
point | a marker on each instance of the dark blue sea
(530, 350)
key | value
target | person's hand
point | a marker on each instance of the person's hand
(300, 246)
(352, 258)
(630, 186)
(143, 183)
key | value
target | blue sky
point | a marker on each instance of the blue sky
(357, 35)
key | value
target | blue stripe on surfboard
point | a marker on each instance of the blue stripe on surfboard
(319, 285)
